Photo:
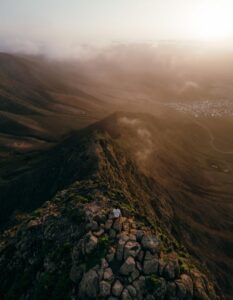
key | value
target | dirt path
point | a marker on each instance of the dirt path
(212, 139)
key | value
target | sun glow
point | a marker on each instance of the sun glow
(212, 21)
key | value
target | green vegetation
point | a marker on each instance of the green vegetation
(44, 285)
(153, 283)
(79, 198)
(62, 288)
(56, 286)
(119, 182)
(77, 215)
(61, 252)
(128, 207)
(103, 243)
(184, 267)
(20, 281)
(100, 252)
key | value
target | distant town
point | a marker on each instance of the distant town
(205, 108)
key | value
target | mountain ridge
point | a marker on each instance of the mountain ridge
(101, 159)
(95, 254)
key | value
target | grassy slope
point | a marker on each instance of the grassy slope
(37, 102)
(174, 185)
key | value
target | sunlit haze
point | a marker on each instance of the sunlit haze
(116, 149)
(38, 25)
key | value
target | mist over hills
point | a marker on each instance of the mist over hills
(35, 96)
(36, 91)
(172, 170)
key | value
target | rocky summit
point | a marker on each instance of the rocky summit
(97, 221)
(74, 247)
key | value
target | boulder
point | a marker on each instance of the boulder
(200, 289)
(162, 265)
(105, 289)
(117, 288)
(100, 218)
(151, 266)
(91, 243)
(104, 263)
(123, 236)
(188, 283)
(150, 297)
(139, 266)
(133, 225)
(160, 290)
(132, 291)
(112, 233)
(76, 272)
(108, 224)
(128, 266)
(89, 285)
(151, 243)
(132, 237)
(134, 275)
(171, 290)
(126, 295)
(139, 235)
(108, 274)
(140, 285)
(171, 270)
(181, 290)
(131, 249)
(126, 226)
(150, 256)
(98, 233)
(75, 253)
(117, 225)
(120, 250)
(94, 226)
(111, 255)
(100, 273)
(140, 256)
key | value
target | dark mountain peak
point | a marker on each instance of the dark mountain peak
(75, 247)
(146, 166)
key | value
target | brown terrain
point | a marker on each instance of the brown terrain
(172, 167)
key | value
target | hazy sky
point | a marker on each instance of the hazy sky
(67, 22)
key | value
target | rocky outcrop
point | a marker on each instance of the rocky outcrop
(76, 249)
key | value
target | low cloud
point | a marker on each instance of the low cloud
(145, 143)
(144, 133)
(15, 45)
(57, 49)
(128, 121)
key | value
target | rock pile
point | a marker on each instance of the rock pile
(83, 251)
(131, 265)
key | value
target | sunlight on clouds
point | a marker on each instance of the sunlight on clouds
(213, 20)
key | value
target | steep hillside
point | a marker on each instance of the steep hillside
(176, 153)
(38, 104)
(156, 169)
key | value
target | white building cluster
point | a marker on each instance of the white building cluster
(205, 108)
